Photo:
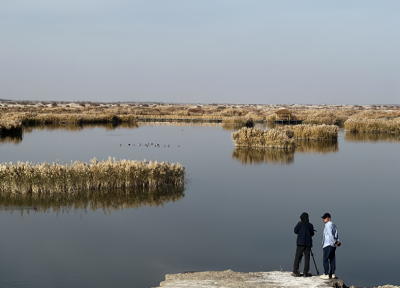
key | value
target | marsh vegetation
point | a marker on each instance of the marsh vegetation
(13, 114)
(251, 155)
(79, 176)
(283, 137)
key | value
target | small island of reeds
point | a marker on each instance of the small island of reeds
(283, 137)
(80, 176)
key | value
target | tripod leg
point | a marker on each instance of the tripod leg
(312, 254)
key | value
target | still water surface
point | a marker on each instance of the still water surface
(238, 211)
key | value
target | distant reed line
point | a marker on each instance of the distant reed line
(80, 176)
(108, 201)
(14, 121)
(283, 137)
(14, 113)
(387, 125)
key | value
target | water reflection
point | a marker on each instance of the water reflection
(371, 137)
(82, 201)
(17, 136)
(263, 156)
(14, 138)
(321, 147)
(282, 156)
(78, 127)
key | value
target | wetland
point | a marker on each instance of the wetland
(237, 210)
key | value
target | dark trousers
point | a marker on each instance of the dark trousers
(297, 259)
(329, 259)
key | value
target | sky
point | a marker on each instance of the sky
(201, 51)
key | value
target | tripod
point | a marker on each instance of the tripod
(315, 264)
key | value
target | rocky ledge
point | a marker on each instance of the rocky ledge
(226, 279)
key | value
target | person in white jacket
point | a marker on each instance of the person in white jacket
(330, 240)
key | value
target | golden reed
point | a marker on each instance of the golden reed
(80, 176)
(283, 137)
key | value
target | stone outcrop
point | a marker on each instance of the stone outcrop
(230, 279)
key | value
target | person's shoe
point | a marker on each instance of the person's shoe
(333, 276)
(306, 274)
(296, 274)
(324, 276)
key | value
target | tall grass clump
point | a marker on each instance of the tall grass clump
(283, 136)
(80, 176)
(325, 116)
(274, 138)
(313, 132)
(239, 121)
(383, 125)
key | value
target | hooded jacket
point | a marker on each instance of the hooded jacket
(304, 230)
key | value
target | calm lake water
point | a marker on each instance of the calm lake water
(238, 211)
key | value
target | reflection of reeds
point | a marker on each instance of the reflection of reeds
(248, 155)
(78, 127)
(323, 147)
(371, 137)
(93, 200)
(80, 176)
(387, 125)
(14, 138)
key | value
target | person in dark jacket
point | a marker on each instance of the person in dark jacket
(304, 230)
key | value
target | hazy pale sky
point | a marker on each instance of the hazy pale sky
(250, 51)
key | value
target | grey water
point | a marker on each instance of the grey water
(238, 211)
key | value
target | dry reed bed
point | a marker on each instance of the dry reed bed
(313, 132)
(52, 112)
(252, 156)
(239, 121)
(80, 176)
(373, 125)
(274, 138)
(283, 137)
(10, 121)
(311, 114)
(93, 200)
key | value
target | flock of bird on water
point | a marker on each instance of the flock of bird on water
(148, 144)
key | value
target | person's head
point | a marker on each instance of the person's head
(304, 217)
(326, 218)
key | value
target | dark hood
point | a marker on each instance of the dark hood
(304, 217)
